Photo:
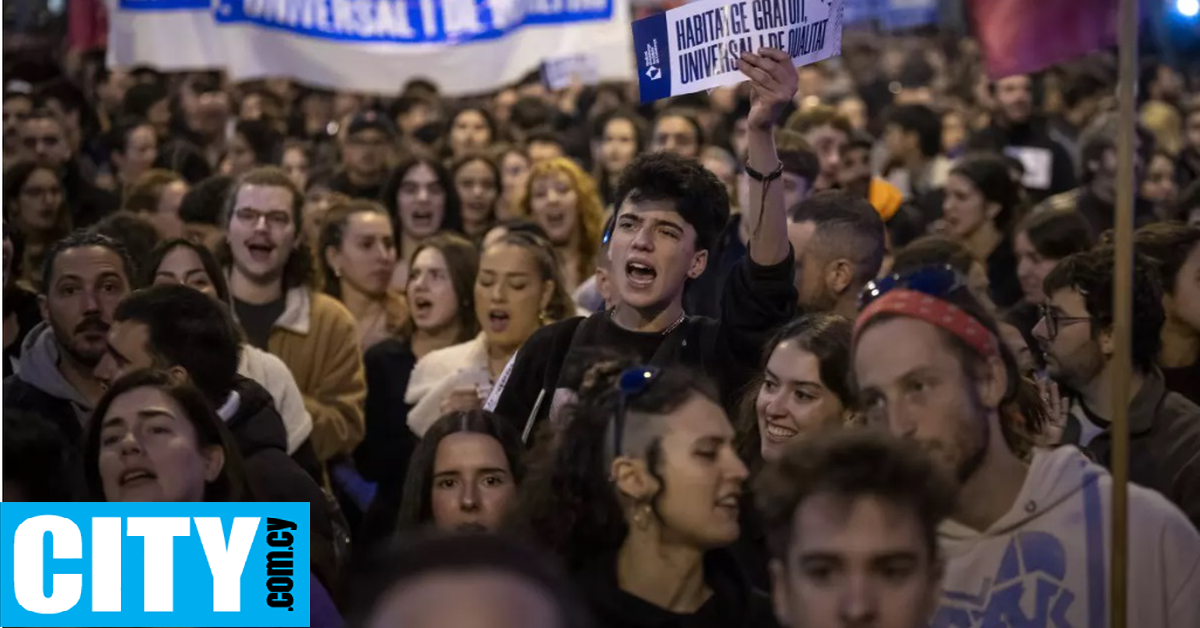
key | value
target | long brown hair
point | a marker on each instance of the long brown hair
(462, 261)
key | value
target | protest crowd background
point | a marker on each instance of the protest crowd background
(829, 347)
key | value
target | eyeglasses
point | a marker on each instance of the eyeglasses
(275, 219)
(633, 382)
(935, 281)
(1054, 322)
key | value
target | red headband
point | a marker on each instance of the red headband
(934, 311)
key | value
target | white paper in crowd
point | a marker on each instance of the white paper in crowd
(1038, 163)
(372, 46)
(696, 47)
(562, 72)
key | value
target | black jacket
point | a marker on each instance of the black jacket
(384, 452)
(734, 602)
(757, 300)
(19, 393)
(275, 477)
(1164, 444)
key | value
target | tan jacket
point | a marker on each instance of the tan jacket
(317, 337)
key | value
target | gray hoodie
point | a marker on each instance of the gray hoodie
(39, 368)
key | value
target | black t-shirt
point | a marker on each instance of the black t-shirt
(757, 300)
(257, 320)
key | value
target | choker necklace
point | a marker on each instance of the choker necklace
(670, 328)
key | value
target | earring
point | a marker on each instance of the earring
(641, 517)
(337, 272)
(543, 319)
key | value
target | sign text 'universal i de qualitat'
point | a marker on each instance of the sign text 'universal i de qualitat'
(696, 47)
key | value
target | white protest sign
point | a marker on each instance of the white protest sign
(1038, 164)
(560, 73)
(696, 47)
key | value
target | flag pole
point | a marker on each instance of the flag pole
(1123, 312)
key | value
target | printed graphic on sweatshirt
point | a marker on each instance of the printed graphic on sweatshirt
(1028, 590)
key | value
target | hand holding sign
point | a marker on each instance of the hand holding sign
(773, 82)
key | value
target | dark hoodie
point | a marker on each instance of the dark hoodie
(275, 477)
(734, 602)
(40, 388)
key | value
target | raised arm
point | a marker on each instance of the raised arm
(773, 82)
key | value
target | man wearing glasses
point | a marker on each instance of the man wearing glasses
(1076, 334)
(271, 279)
(1027, 542)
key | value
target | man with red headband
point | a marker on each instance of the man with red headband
(1028, 541)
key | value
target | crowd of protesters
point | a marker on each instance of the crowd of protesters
(832, 347)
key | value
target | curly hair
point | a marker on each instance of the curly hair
(567, 501)
(1091, 275)
(588, 205)
(699, 196)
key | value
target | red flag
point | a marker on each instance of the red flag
(1024, 36)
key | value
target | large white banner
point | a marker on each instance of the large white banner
(465, 46)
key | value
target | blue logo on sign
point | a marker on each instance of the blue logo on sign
(154, 564)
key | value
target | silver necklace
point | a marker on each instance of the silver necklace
(670, 328)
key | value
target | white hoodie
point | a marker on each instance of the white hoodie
(1045, 563)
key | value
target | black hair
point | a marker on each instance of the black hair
(39, 460)
(568, 502)
(699, 197)
(118, 135)
(212, 267)
(1056, 234)
(846, 226)
(641, 136)
(493, 168)
(188, 328)
(263, 139)
(16, 265)
(1168, 245)
(1091, 275)
(451, 217)
(407, 103)
(488, 119)
(140, 98)
(15, 178)
(434, 553)
(81, 239)
(686, 116)
(137, 234)
(921, 120)
(849, 465)
(229, 486)
(989, 174)
(545, 135)
(206, 200)
(416, 508)
(530, 112)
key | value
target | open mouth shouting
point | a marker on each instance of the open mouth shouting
(497, 320)
(424, 219)
(260, 250)
(422, 308)
(640, 274)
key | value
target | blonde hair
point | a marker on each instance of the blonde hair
(587, 204)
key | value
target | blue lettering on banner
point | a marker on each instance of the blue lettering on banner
(652, 48)
(154, 564)
(410, 21)
(150, 6)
